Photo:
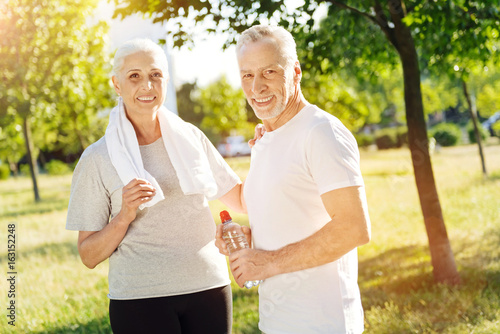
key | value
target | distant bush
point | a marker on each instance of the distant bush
(73, 164)
(391, 138)
(4, 172)
(402, 135)
(25, 169)
(446, 134)
(385, 139)
(472, 136)
(57, 167)
(364, 140)
(496, 129)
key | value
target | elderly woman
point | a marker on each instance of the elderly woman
(139, 198)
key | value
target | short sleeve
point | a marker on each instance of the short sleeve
(89, 206)
(224, 176)
(332, 157)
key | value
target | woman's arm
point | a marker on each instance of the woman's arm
(234, 198)
(96, 246)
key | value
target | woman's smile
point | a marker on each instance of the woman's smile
(146, 99)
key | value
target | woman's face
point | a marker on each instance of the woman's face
(141, 83)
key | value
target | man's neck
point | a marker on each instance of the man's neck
(290, 111)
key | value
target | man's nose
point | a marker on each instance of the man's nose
(258, 85)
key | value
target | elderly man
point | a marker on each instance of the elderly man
(305, 199)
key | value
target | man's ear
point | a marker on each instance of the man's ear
(116, 84)
(298, 73)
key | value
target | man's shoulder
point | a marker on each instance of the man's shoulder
(325, 127)
(317, 117)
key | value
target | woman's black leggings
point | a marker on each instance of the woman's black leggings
(207, 311)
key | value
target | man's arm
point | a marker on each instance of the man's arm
(348, 229)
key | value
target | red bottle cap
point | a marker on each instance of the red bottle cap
(224, 216)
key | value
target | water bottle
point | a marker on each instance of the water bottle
(235, 240)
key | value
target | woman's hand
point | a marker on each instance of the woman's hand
(259, 132)
(96, 246)
(135, 193)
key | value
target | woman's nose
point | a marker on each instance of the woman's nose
(147, 84)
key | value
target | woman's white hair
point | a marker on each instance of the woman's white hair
(139, 45)
(284, 40)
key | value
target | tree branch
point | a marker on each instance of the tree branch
(383, 22)
(354, 10)
(410, 9)
(379, 19)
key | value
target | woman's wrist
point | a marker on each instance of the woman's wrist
(123, 219)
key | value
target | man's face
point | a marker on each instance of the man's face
(267, 83)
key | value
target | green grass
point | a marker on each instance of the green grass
(57, 294)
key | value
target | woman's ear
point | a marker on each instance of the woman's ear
(116, 84)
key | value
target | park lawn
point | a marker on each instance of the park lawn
(55, 293)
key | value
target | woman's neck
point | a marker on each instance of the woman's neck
(147, 133)
(147, 128)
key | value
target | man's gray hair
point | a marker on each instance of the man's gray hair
(284, 40)
(139, 45)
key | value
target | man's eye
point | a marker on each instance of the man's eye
(158, 75)
(135, 75)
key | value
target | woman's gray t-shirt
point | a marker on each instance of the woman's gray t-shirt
(169, 248)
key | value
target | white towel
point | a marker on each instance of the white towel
(183, 146)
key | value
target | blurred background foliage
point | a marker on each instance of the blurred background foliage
(55, 80)
(55, 90)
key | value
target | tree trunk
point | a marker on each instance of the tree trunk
(31, 156)
(473, 116)
(443, 261)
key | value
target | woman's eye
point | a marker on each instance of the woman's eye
(135, 75)
(158, 75)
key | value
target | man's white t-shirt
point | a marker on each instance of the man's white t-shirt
(291, 167)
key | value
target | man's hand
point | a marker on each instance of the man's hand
(251, 265)
(221, 244)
